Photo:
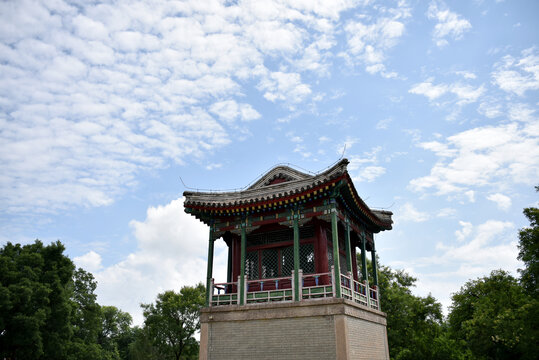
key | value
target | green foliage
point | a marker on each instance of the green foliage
(529, 252)
(142, 347)
(495, 318)
(49, 311)
(34, 305)
(415, 325)
(116, 333)
(172, 321)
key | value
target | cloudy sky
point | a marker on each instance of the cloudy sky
(105, 105)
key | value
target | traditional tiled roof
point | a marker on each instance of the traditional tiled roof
(284, 185)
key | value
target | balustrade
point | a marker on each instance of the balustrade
(312, 286)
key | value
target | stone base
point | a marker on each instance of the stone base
(327, 328)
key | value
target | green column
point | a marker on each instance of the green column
(348, 247)
(209, 271)
(336, 257)
(242, 264)
(295, 216)
(374, 266)
(364, 257)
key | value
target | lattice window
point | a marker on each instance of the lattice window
(270, 237)
(306, 232)
(287, 258)
(270, 263)
(251, 265)
(306, 258)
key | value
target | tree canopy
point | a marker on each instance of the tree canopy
(48, 309)
(529, 251)
(173, 320)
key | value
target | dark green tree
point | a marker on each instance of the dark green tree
(528, 247)
(415, 327)
(142, 347)
(34, 301)
(173, 320)
(88, 321)
(116, 333)
(489, 316)
(49, 311)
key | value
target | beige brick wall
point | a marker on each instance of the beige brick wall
(367, 340)
(297, 338)
(322, 329)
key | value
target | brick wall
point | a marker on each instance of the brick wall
(320, 329)
(296, 338)
(367, 340)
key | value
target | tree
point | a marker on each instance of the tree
(173, 320)
(88, 321)
(34, 305)
(116, 333)
(490, 315)
(142, 347)
(49, 311)
(415, 327)
(529, 252)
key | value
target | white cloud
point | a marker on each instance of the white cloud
(284, 87)
(464, 93)
(408, 212)
(365, 167)
(449, 24)
(502, 201)
(91, 261)
(440, 149)
(446, 212)
(479, 250)
(522, 112)
(230, 111)
(490, 109)
(369, 173)
(346, 145)
(95, 95)
(171, 253)
(518, 75)
(213, 166)
(428, 89)
(369, 40)
(485, 248)
(466, 74)
(483, 156)
(470, 194)
(466, 230)
(383, 124)
(323, 139)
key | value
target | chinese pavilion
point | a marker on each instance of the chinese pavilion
(294, 289)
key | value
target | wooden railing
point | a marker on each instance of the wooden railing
(357, 292)
(311, 286)
(227, 293)
(266, 290)
(315, 286)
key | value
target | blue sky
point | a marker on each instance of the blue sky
(104, 105)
